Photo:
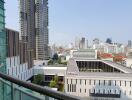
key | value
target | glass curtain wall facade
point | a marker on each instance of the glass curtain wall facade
(3, 88)
(2, 38)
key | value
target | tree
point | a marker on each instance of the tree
(55, 57)
(59, 60)
(55, 83)
(64, 63)
(50, 62)
(61, 86)
(109, 41)
(38, 79)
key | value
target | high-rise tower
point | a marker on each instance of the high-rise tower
(27, 24)
(129, 43)
(2, 38)
(82, 43)
(3, 88)
(27, 29)
(42, 29)
(34, 27)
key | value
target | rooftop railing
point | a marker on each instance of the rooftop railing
(15, 89)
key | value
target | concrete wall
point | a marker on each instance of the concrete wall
(129, 62)
(83, 86)
(60, 71)
(15, 69)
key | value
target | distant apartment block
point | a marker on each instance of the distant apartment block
(109, 48)
(77, 42)
(80, 43)
(96, 41)
(129, 43)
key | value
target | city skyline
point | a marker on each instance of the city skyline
(94, 19)
(95, 66)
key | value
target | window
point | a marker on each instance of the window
(19, 69)
(94, 82)
(99, 82)
(99, 91)
(85, 90)
(130, 93)
(80, 90)
(85, 82)
(130, 83)
(120, 91)
(115, 83)
(1, 19)
(89, 90)
(1, 11)
(89, 82)
(22, 68)
(8, 71)
(125, 93)
(21, 76)
(120, 83)
(115, 91)
(68, 87)
(71, 81)
(104, 91)
(110, 91)
(94, 90)
(16, 70)
(12, 71)
(104, 82)
(109, 82)
(10, 63)
(74, 87)
(76, 81)
(14, 58)
(125, 83)
(80, 81)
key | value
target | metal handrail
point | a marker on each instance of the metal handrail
(42, 90)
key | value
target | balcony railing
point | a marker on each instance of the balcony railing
(15, 89)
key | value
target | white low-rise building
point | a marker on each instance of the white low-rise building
(129, 59)
(50, 70)
(98, 78)
(84, 53)
(109, 48)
